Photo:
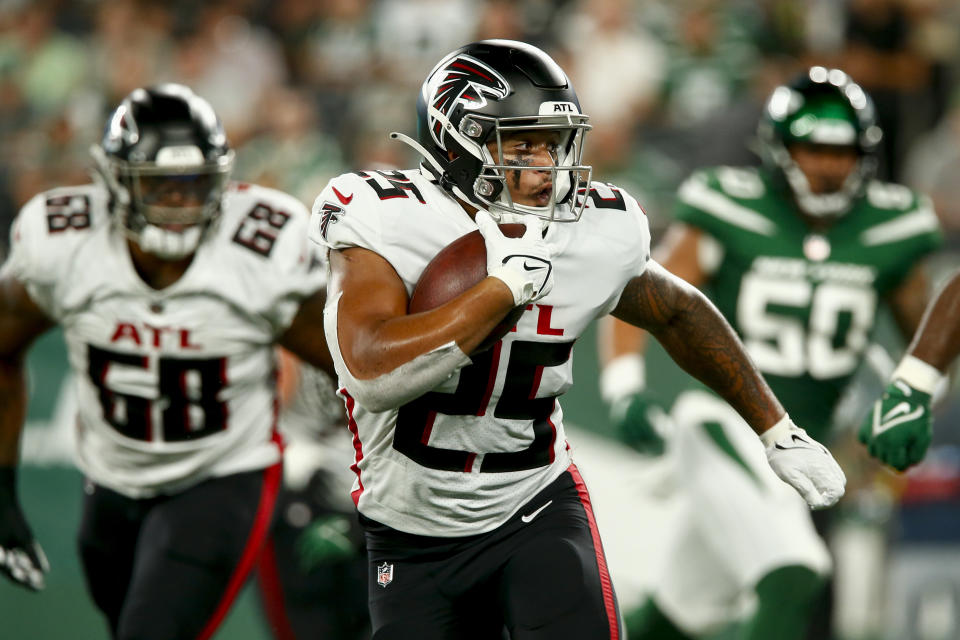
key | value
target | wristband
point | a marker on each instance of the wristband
(780, 429)
(918, 374)
(622, 376)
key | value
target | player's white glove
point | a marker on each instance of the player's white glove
(21, 558)
(804, 464)
(523, 264)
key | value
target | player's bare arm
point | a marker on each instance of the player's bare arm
(21, 321)
(700, 340)
(937, 342)
(909, 300)
(304, 337)
(376, 335)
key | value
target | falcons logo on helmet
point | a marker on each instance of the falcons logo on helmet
(464, 80)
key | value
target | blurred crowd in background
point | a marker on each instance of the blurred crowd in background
(310, 88)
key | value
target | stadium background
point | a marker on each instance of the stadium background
(308, 90)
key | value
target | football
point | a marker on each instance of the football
(459, 266)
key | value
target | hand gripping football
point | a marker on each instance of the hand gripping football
(459, 266)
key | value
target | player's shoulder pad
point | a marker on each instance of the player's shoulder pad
(899, 214)
(605, 196)
(264, 225)
(50, 228)
(352, 209)
(739, 183)
(631, 227)
(722, 198)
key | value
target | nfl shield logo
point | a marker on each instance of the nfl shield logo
(384, 574)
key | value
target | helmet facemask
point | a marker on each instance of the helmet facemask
(167, 206)
(823, 205)
(567, 173)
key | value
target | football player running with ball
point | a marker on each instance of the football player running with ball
(476, 517)
(797, 254)
(899, 428)
(172, 287)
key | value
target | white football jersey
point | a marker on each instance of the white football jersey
(175, 385)
(466, 456)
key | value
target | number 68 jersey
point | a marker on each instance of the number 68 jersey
(464, 457)
(175, 385)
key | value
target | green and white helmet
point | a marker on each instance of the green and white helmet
(821, 107)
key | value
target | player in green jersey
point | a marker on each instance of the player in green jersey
(797, 254)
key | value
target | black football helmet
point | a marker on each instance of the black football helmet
(821, 107)
(482, 92)
(165, 160)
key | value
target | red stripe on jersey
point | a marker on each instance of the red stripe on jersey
(605, 583)
(357, 445)
(468, 467)
(271, 590)
(272, 476)
(537, 374)
(492, 379)
(226, 405)
(428, 429)
(553, 433)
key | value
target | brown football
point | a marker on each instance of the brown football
(459, 266)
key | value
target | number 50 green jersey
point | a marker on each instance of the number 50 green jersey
(804, 303)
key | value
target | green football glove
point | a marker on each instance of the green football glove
(641, 422)
(325, 541)
(899, 428)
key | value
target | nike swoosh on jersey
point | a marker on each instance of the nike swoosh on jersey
(530, 516)
(533, 268)
(896, 416)
(342, 198)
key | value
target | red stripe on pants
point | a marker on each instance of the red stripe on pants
(251, 552)
(271, 592)
(605, 583)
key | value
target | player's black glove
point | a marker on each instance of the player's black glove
(21, 558)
